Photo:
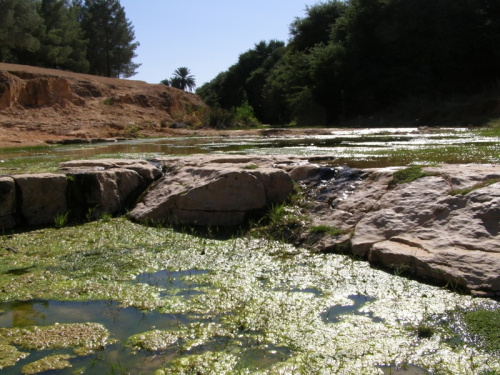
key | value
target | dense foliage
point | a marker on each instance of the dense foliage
(356, 57)
(93, 36)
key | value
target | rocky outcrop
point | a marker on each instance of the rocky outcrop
(218, 191)
(422, 226)
(7, 202)
(107, 186)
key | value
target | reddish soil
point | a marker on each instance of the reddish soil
(44, 105)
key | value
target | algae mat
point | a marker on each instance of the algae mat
(146, 300)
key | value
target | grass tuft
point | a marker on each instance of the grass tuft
(326, 229)
(61, 220)
(407, 175)
(480, 185)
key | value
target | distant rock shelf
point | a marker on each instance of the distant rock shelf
(443, 227)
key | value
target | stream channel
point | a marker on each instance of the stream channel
(176, 302)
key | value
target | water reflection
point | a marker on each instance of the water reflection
(121, 321)
(334, 313)
(351, 144)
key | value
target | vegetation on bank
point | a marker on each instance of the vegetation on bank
(354, 58)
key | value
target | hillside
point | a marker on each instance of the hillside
(45, 105)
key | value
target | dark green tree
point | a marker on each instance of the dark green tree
(20, 30)
(63, 44)
(183, 79)
(111, 38)
(316, 27)
(244, 80)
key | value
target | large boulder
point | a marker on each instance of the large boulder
(7, 202)
(106, 185)
(423, 227)
(218, 191)
(41, 197)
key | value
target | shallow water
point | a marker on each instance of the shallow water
(240, 305)
(362, 148)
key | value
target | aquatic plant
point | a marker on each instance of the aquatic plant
(484, 326)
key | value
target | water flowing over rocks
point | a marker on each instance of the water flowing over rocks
(431, 227)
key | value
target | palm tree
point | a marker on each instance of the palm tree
(183, 79)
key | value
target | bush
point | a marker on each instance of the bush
(245, 115)
(242, 116)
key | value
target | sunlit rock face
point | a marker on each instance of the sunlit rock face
(422, 227)
(213, 190)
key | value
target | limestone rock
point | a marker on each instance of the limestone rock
(7, 202)
(94, 192)
(42, 197)
(146, 170)
(219, 191)
(420, 226)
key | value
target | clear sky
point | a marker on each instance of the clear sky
(207, 36)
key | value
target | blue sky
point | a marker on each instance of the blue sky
(207, 36)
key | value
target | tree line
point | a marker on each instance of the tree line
(91, 36)
(352, 58)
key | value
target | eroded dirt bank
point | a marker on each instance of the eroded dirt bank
(39, 105)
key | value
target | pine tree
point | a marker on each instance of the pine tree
(20, 31)
(111, 39)
(63, 44)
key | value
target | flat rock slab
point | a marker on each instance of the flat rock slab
(213, 190)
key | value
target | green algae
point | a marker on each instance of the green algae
(484, 326)
(10, 355)
(84, 337)
(154, 340)
(483, 184)
(53, 362)
(260, 298)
